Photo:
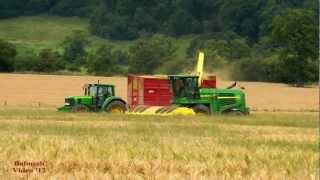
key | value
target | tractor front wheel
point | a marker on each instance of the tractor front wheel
(80, 108)
(116, 107)
(201, 109)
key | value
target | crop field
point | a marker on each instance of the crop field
(99, 146)
(50, 91)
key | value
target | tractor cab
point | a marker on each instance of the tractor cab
(98, 89)
(98, 92)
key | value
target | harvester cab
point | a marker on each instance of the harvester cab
(184, 87)
(187, 93)
(97, 97)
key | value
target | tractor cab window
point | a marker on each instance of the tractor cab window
(92, 91)
(110, 91)
(105, 91)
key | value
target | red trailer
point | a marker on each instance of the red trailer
(209, 82)
(149, 90)
(155, 90)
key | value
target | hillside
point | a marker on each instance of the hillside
(47, 31)
(39, 29)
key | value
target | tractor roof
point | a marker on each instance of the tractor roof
(87, 85)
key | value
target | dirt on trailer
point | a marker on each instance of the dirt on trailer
(50, 90)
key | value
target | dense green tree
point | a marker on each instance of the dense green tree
(121, 57)
(112, 26)
(232, 49)
(149, 53)
(12, 8)
(296, 32)
(37, 6)
(104, 61)
(7, 55)
(26, 61)
(82, 8)
(181, 22)
(242, 17)
(49, 61)
(239, 48)
(272, 8)
(75, 47)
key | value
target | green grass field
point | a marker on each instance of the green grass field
(99, 146)
(33, 33)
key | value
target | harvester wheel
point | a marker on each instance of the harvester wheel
(80, 108)
(201, 109)
(116, 107)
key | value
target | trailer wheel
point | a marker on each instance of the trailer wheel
(116, 107)
(80, 108)
(201, 109)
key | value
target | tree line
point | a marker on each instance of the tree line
(78, 54)
(258, 40)
(131, 19)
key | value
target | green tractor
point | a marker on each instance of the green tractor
(187, 93)
(97, 97)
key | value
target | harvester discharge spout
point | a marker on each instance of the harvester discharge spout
(199, 70)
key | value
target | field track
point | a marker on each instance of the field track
(50, 90)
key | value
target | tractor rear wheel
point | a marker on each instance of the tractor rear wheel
(201, 109)
(80, 108)
(116, 107)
